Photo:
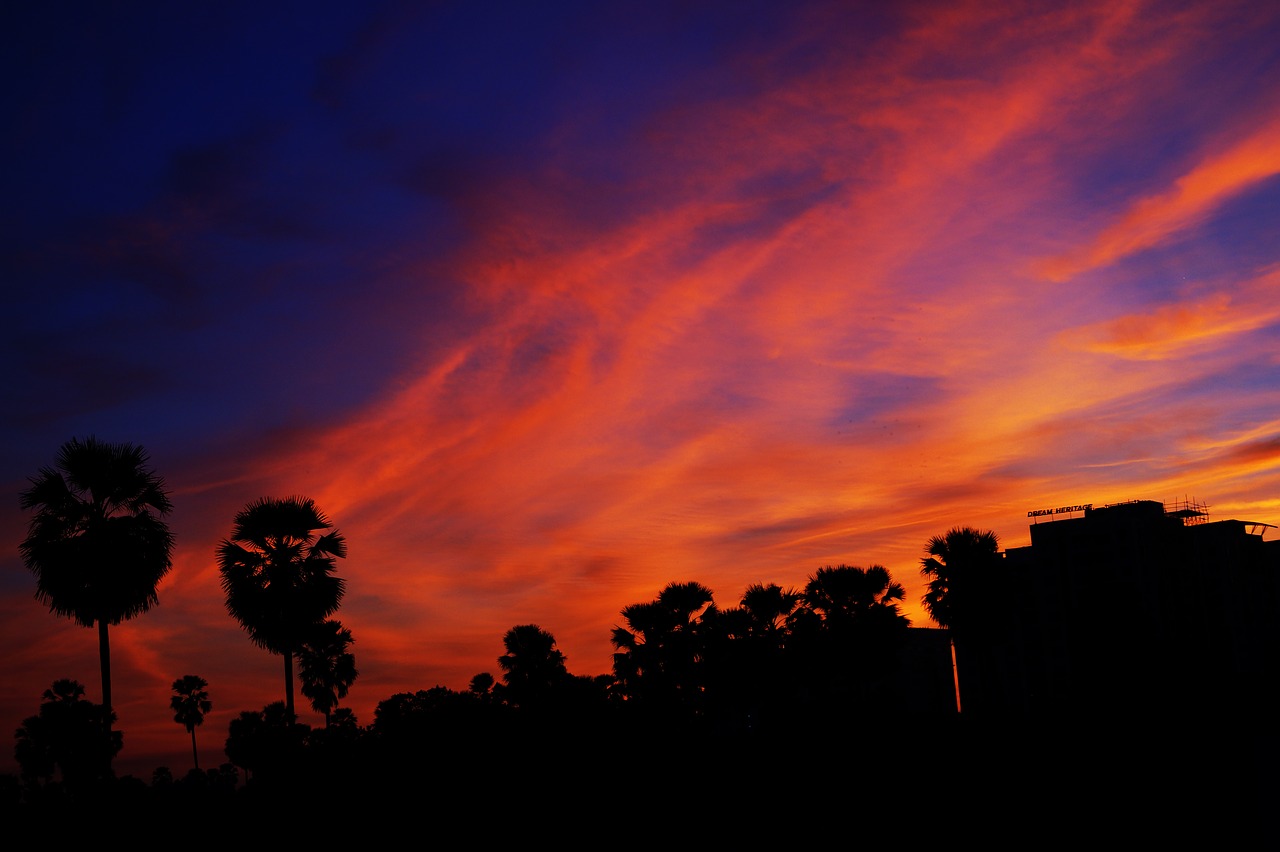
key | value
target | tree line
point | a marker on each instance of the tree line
(820, 657)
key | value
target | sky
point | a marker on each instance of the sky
(549, 305)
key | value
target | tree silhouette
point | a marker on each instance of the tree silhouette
(481, 686)
(532, 668)
(660, 652)
(189, 703)
(769, 607)
(847, 595)
(96, 542)
(326, 667)
(746, 658)
(846, 637)
(958, 565)
(69, 736)
(277, 573)
(966, 586)
(266, 743)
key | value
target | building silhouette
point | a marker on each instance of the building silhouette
(1131, 611)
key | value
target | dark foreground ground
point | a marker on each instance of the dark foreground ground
(1001, 784)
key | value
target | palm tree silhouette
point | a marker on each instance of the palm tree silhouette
(845, 594)
(954, 564)
(847, 637)
(532, 666)
(190, 703)
(96, 543)
(277, 573)
(660, 652)
(963, 567)
(326, 667)
(769, 607)
(69, 736)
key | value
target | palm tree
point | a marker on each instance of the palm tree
(846, 640)
(769, 606)
(481, 686)
(965, 587)
(69, 735)
(96, 543)
(326, 667)
(190, 703)
(277, 572)
(957, 564)
(660, 653)
(847, 594)
(532, 666)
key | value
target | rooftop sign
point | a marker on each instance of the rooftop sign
(1061, 510)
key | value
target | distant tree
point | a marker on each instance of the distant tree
(266, 743)
(481, 686)
(96, 542)
(189, 703)
(278, 575)
(337, 746)
(68, 737)
(326, 666)
(532, 667)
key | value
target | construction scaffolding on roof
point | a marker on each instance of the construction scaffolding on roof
(1188, 511)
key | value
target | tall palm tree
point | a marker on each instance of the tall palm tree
(965, 589)
(326, 666)
(277, 572)
(958, 564)
(190, 703)
(97, 542)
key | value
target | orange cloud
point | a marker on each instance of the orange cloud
(1178, 329)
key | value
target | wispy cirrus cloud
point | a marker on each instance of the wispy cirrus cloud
(1195, 195)
(1187, 327)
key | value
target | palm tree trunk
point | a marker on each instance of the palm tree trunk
(288, 685)
(104, 660)
(195, 756)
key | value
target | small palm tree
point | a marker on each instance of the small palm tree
(277, 572)
(97, 543)
(190, 703)
(326, 667)
(481, 686)
(532, 667)
(69, 736)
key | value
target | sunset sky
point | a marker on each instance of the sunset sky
(548, 305)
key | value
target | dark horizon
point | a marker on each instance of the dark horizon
(796, 701)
